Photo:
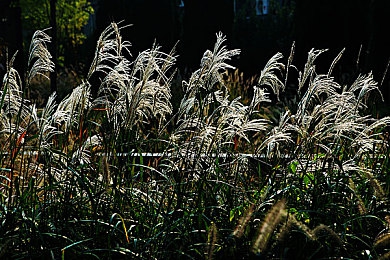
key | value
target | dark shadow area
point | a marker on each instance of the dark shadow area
(10, 36)
(259, 28)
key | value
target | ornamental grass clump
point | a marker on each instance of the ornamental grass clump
(52, 176)
(327, 144)
(207, 120)
(115, 169)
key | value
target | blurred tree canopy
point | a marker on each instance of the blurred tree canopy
(71, 17)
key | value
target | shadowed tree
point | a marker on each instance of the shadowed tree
(202, 20)
(151, 20)
(10, 34)
(352, 24)
(53, 25)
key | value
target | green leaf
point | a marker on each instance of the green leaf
(293, 167)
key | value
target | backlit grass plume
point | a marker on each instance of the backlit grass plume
(39, 60)
(208, 120)
(133, 92)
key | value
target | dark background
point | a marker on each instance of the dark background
(360, 26)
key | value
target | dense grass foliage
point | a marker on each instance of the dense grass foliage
(228, 178)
